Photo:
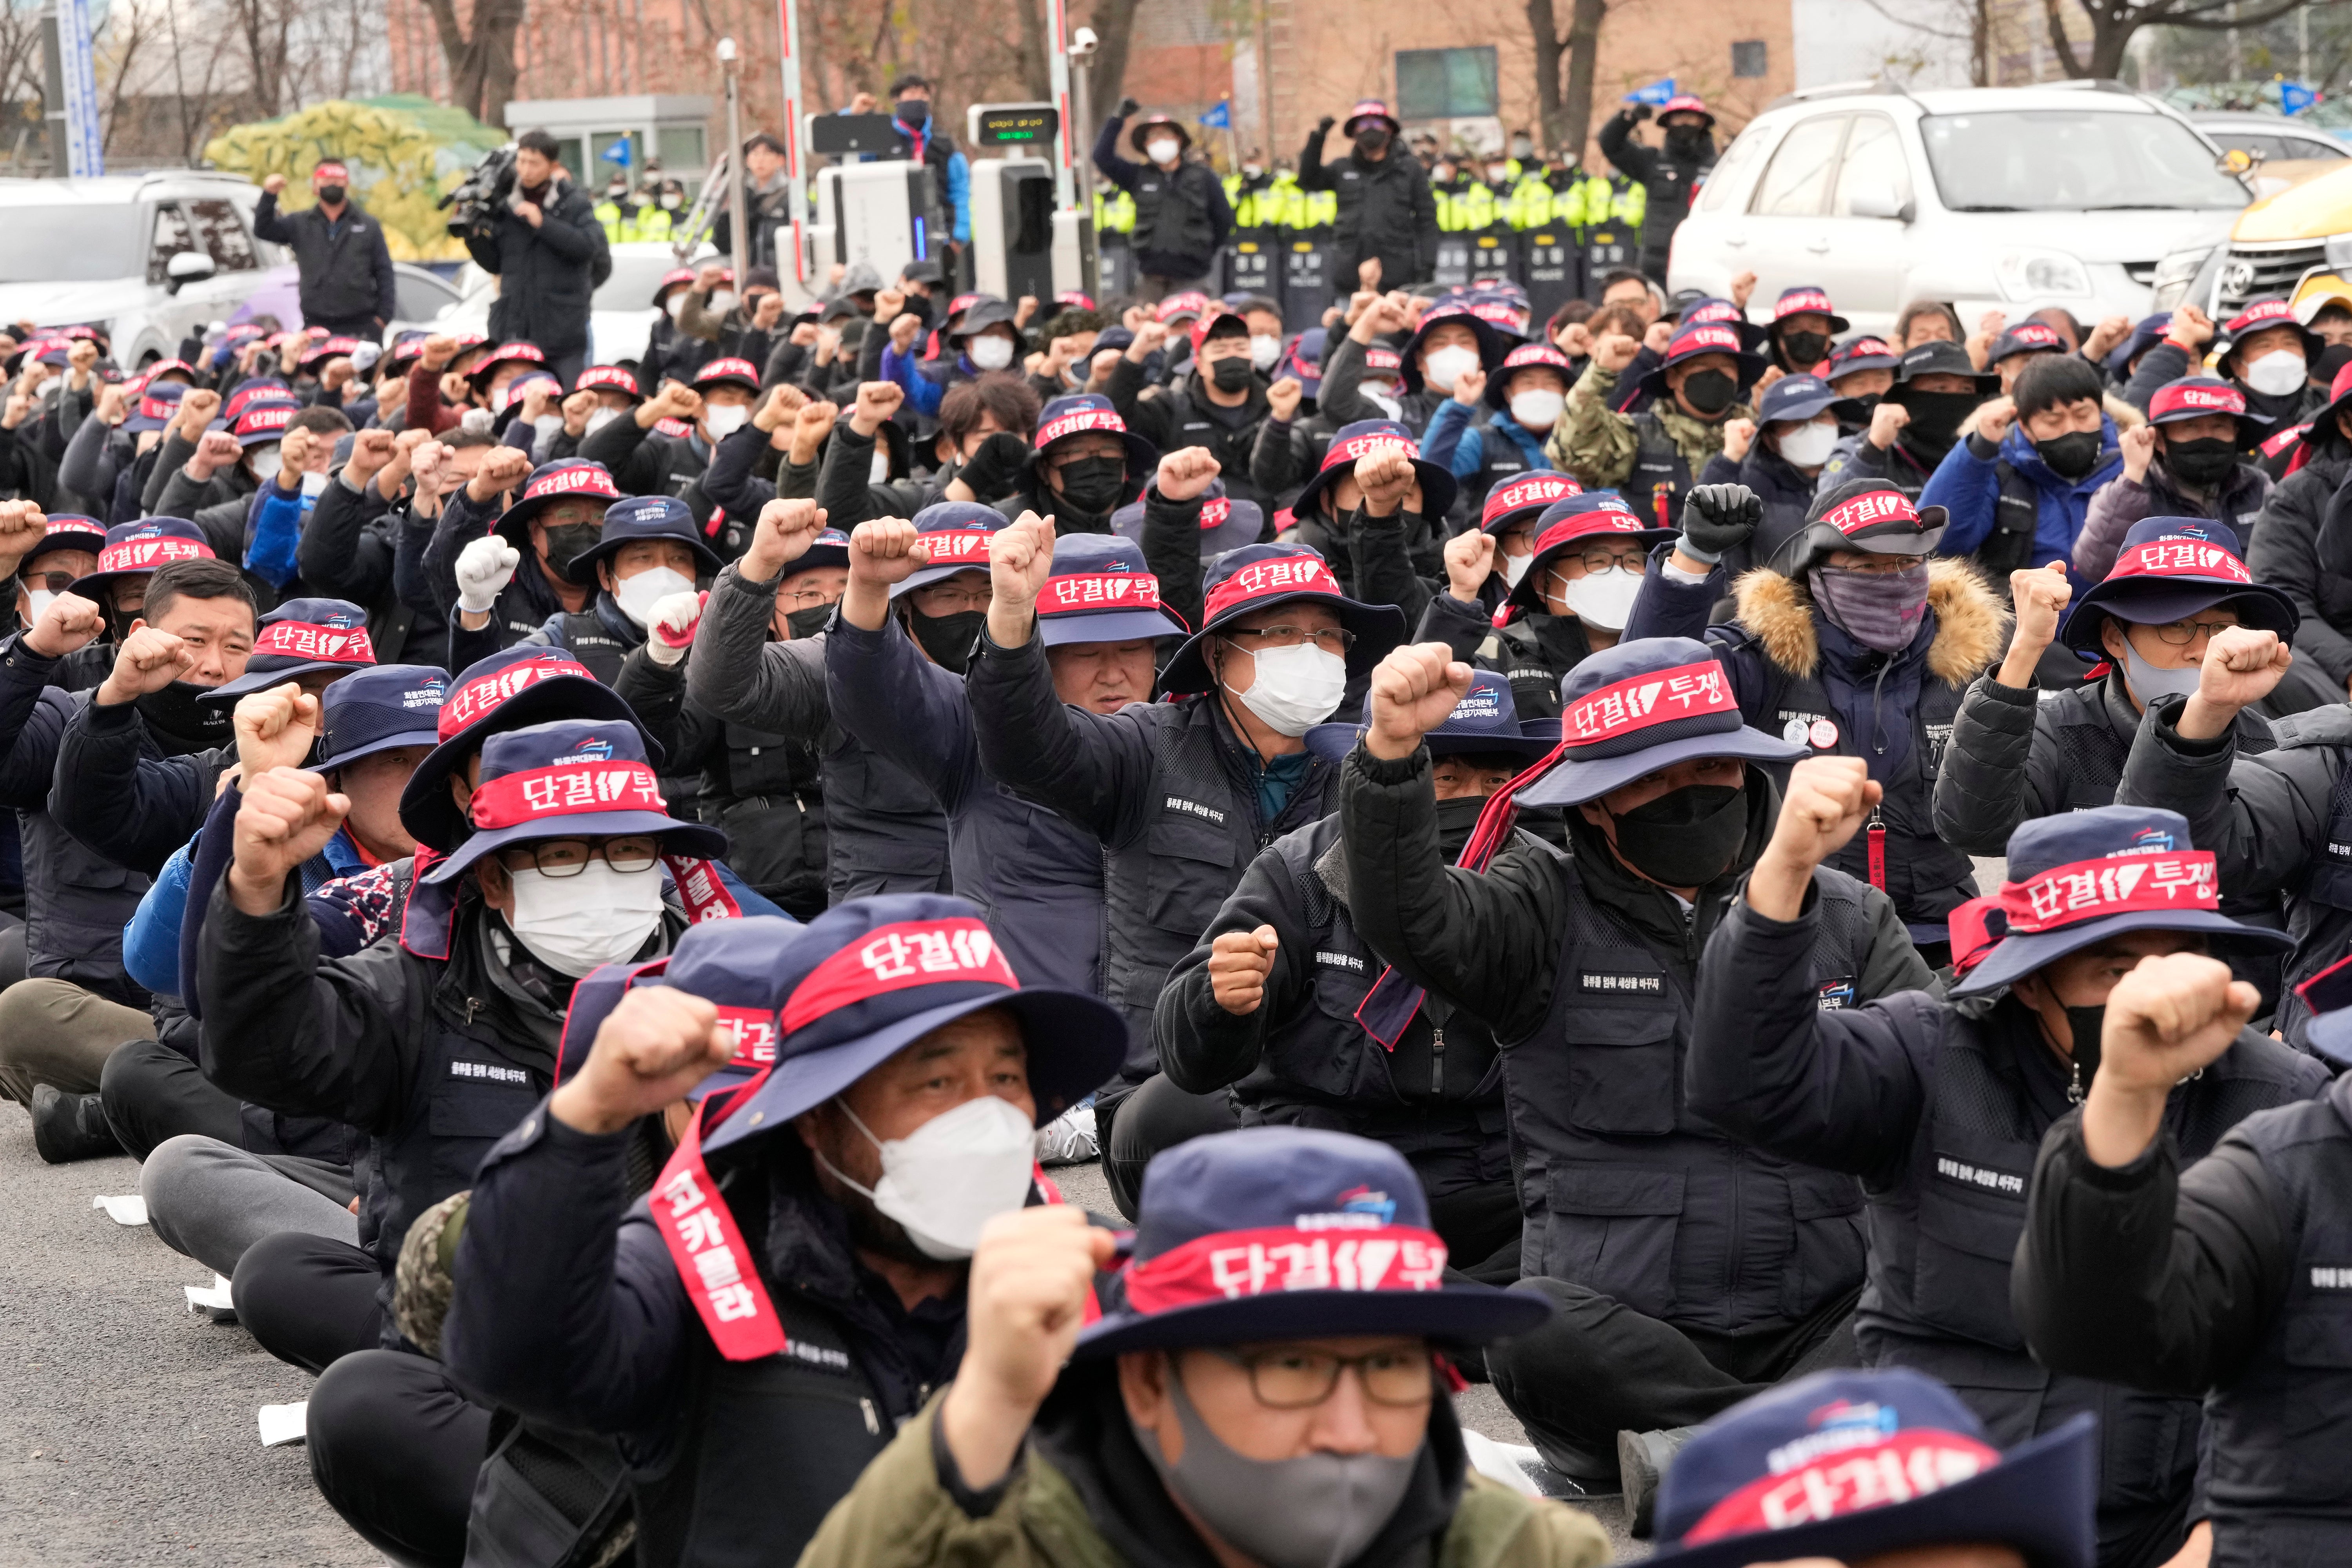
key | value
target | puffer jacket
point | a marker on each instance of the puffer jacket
(2123, 502)
(2302, 547)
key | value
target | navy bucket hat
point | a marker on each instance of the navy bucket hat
(870, 976)
(1102, 590)
(641, 518)
(730, 964)
(1258, 576)
(573, 778)
(1494, 342)
(1525, 499)
(1807, 300)
(299, 638)
(70, 531)
(1796, 398)
(2083, 876)
(2196, 396)
(954, 534)
(1484, 721)
(1803, 1470)
(1226, 523)
(380, 710)
(1527, 356)
(510, 689)
(2169, 569)
(142, 549)
(1363, 438)
(1704, 338)
(1641, 706)
(1274, 1233)
(572, 478)
(1571, 520)
(2328, 995)
(1085, 411)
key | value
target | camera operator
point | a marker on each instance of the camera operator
(544, 243)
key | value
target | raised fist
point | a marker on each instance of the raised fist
(1886, 421)
(484, 569)
(23, 526)
(502, 470)
(218, 450)
(275, 184)
(1413, 690)
(782, 534)
(1385, 478)
(657, 1045)
(1283, 398)
(2041, 595)
(1739, 435)
(876, 402)
(274, 728)
(1185, 473)
(1614, 351)
(68, 622)
(1020, 560)
(1470, 558)
(287, 816)
(1828, 800)
(1239, 961)
(670, 632)
(150, 660)
(1470, 387)
(1715, 518)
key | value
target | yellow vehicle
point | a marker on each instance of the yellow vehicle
(2296, 241)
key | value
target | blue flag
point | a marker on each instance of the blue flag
(1220, 116)
(2294, 97)
(1656, 93)
(618, 153)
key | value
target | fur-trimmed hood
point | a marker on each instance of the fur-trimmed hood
(1971, 628)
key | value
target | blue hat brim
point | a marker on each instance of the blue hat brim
(1467, 1314)
(1076, 1043)
(1750, 368)
(254, 680)
(1332, 743)
(582, 569)
(1106, 626)
(513, 525)
(91, 539)
(1804, 407)
(388, 743)
(1187, 671)
(677, 837)
(1143, 457)
(927, 575)
(1573, 782)
(426, 807)
(2173, 599)
(2012, 958)
(2329, 1035)
(2039, 1499)
(1494, 343)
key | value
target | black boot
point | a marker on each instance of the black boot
(69, 1127)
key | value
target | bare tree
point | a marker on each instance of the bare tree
(482, 65)
(1114, 26)
(2113, 23)
(1565, 107)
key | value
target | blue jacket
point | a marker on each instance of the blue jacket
(1451, 439)
(924, 391)
(1967, 485)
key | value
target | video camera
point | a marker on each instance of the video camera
(483, 196)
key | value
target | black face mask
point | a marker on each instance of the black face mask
(949, 639)
(1455, 820)
(2073, 455)
(1688, 143)
(1093, 485)
(1709, 392)
(920, 306)
(176, 715)
(331, 195)
(1936, 416)
(1857, 410)
(2087, 1023)
(2203, 461)
(1231, 373)
(1686, 838)
(809, 622)
(568, 541)
(118, 623)
(1372, 143)
(1804, 348)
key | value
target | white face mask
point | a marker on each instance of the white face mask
(639, 594)
(1163, 150)
(1604, 599)
(1537, 409)
(1266, 351)
(722, 301)
(600, 417)
(571, 924)
(1440, 369)
(2277, 373)
(1251, 171)
(723, 419)
(674, 305)
(547, 424)
(264, 461)
(41, 600)
(1296, 688)
(952, 1174)
(1382, 397)
(879, 469)
(1516, 567)
(990, 353)
(1808, 446)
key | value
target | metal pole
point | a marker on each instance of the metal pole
(741, 252)
(2302, 44)
(53, 91)
(1057, 74)
(788, 13)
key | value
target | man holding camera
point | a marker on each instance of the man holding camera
(544, 243)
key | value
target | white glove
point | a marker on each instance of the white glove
(671, 631)
(484, 568)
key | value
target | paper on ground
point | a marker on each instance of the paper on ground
(284, 1423)
(1503, 1462)
(214, 1298)
(130, 1209)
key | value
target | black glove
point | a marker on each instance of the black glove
(1126, 109)
(994, 468)
(1323, 126)
(1715, 518)
(1638, 113)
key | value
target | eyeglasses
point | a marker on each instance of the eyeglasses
(54, 582)
(948, 598)
(1292, 1379)
(1079, 454)
(2181, 633)
(1330, 639)
(1603, 559)
(1881, 565)
(801, 598)
(570, 856)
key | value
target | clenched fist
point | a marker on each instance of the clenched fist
(657, 1045)
(1614, 351)
(782, 534)
(1412, 692)
(1886, 421)
(876, 402)
(2041, 595)
(66, 622)
(1828, 800)
(274, 729)
(502, 470)
(1470, 559)
(1283, 398)
(1387, 480)
(1186, 472)
(484, 569)
(1239, 961)
(671, 632)
(2171, 1017)
(151, 660)
(2241, 666)
(1020, 560)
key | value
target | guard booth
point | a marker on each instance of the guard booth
(1552, 270)
(1308, 283)
(1253, 263)
(1021, 242)
(601, 135)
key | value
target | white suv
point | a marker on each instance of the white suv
(1992, 198)
(148, 258)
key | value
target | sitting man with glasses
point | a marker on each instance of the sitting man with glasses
(1182, 793)
(1267, 1384)
(436, 1045)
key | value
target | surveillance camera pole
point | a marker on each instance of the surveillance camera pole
(742, 251)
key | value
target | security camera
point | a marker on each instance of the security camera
(1082, 44)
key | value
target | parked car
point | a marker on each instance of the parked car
(2296, 242)
(621, 313)
(1994, 198)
